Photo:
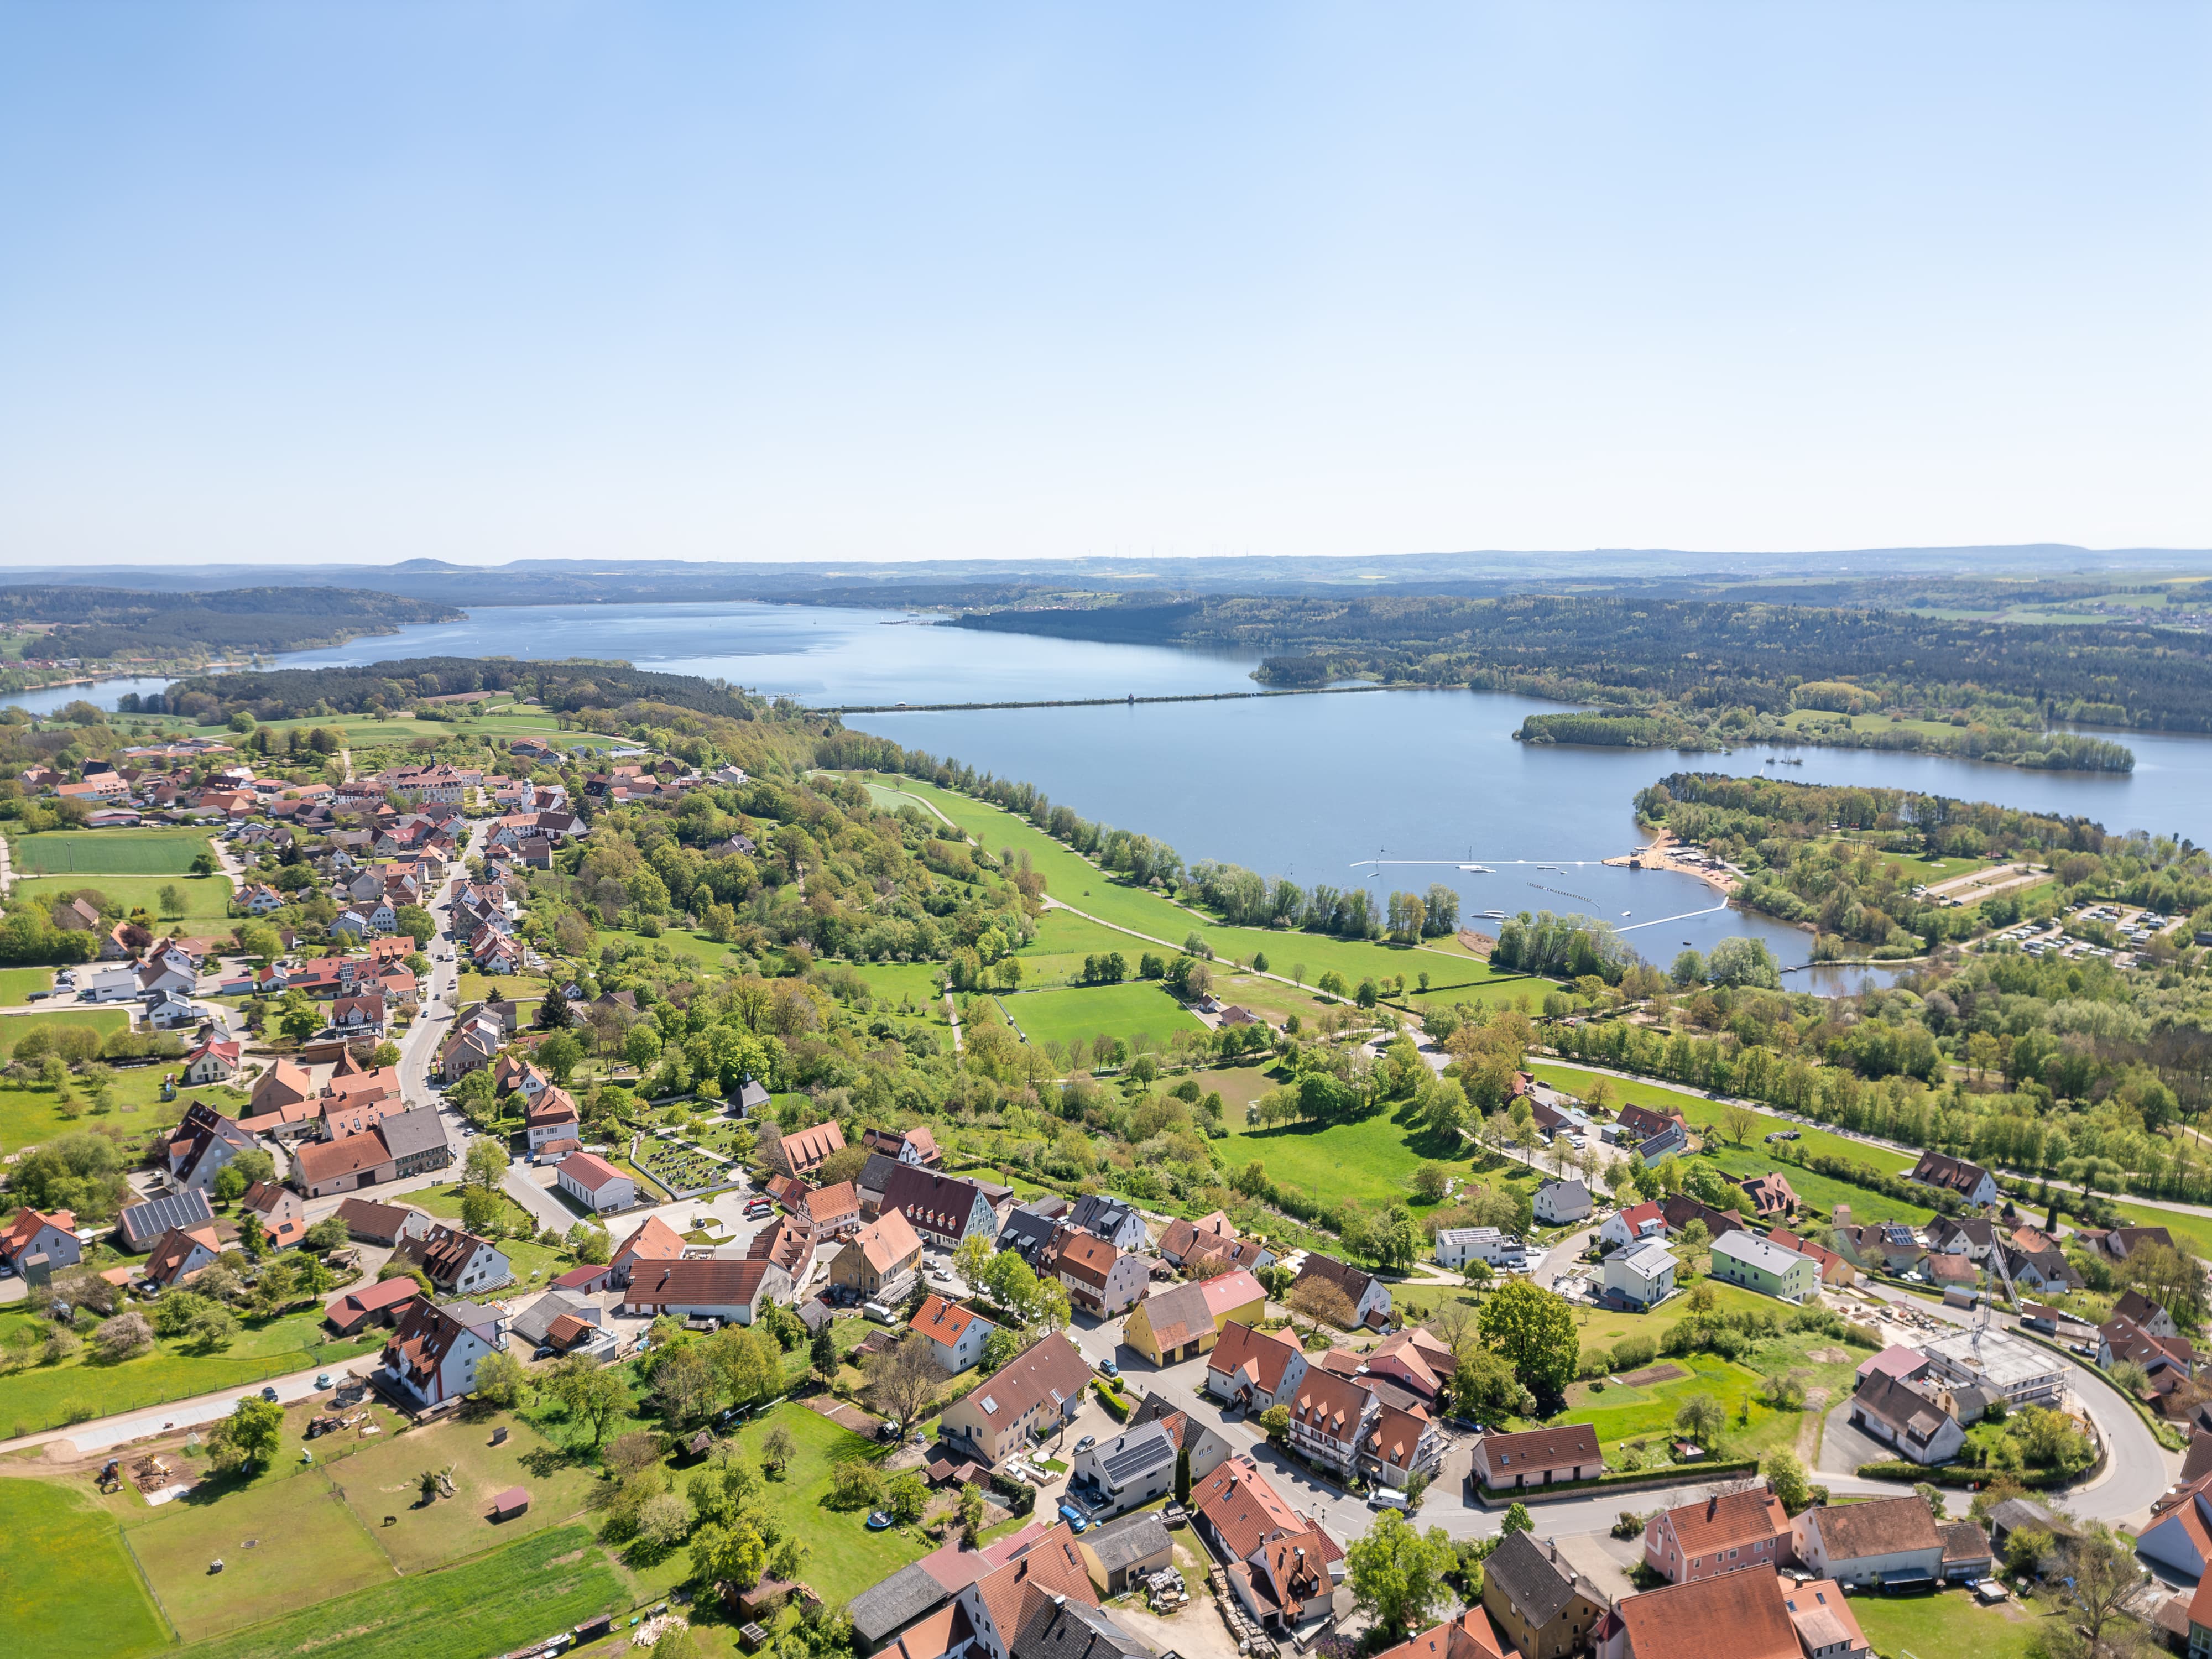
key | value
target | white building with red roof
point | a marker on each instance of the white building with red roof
(957, 1334)
(52, 1234)
(594, 1182)
(1253, 1368)
(1638, 1222)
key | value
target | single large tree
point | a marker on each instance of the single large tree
(1398, 1573)
(1535, 1330)
(902, 1377)
(248, 1436)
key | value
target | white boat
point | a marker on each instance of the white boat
(1494, 916)
(1478, 869)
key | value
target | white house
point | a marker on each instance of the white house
(458, 1263)
(1644, 1275)
(1558, 1203)
(594, 1182)
(1626, 1227)
(550, 1116)
(211, 1063)
(705, 1287)
(1457, 1246)
(432, 1356)
(956, 1334)
(1884, 1541)
(1253, 1369)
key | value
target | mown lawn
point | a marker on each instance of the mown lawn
(534, 1264)
(843, 1558)
(68, 1589)
(107, 851)
(902, 982)
(1945, 1625)
(507, 1599)
(1372, 1161)
(30, 1116)
(1621, 1411)
(1078, 1014)
(207, 898)
(13, 1028)
(39, 1397)
(18, 983)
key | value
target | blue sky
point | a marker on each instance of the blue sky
(293, 282)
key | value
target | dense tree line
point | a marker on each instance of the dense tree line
(102, 623)
(1696, 657)
(570, 687)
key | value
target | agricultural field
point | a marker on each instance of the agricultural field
(38, 1396)
(106, 852)
(1077, 1015)
(207, 898)
(17, 983)
(64, 1573)
(13, 1028)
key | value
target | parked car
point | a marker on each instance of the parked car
(1085, 1444)
(1383, 1498)
(1077, 1521)
(269, 1394)
(1110, 1368)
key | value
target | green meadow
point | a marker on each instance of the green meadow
(106, 852)
(1132, 1008)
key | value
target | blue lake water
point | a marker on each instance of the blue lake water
(1314, 788)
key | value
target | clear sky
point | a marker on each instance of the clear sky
(299, 281)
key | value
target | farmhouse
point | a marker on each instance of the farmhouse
(432, 1357)
(1368, 1296)
(1254, 1369)
(1891, 1541)
(734, 1293)
(1538, 1600)
(945, 1209)
(1738, 1615)
(878, 1261)
(458, 1263)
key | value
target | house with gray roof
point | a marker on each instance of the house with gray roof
(1114, 1219)
(904, 1598)
(1123, 1551)
(140, 1227)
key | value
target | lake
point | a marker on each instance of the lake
(1314, 788)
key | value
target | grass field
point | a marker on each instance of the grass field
(1624, 1412)
(513, 1596)
(39, 1397)
(844, 1557)
(1079, 1014)
(900, 982)
(533, 1263)
(65, 1575)
(1076, 881)
(381, 1477)
(1372, 1161)
(1947, 1623)
(207, 898)
(17, 983)
(274, 1535)
(107, 851)
(13, 1028)
(31, 1115)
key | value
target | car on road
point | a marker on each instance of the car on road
(322, 1379)
(269, 1394)
(1110, 1368)
(1385, 1498)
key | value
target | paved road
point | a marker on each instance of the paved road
(2139, 1470)
(108, 1432)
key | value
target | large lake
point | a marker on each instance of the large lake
(1313, 788)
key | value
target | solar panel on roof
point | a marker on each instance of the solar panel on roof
(1131, 1459)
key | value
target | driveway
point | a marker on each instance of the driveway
(1843, 1448)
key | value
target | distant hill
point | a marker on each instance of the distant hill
(106, 624)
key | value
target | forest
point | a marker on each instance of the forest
(99, 624)
(1718, 665)
(571, 686)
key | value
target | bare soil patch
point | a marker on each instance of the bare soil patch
(1651, 1375)
(1830, 1355)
